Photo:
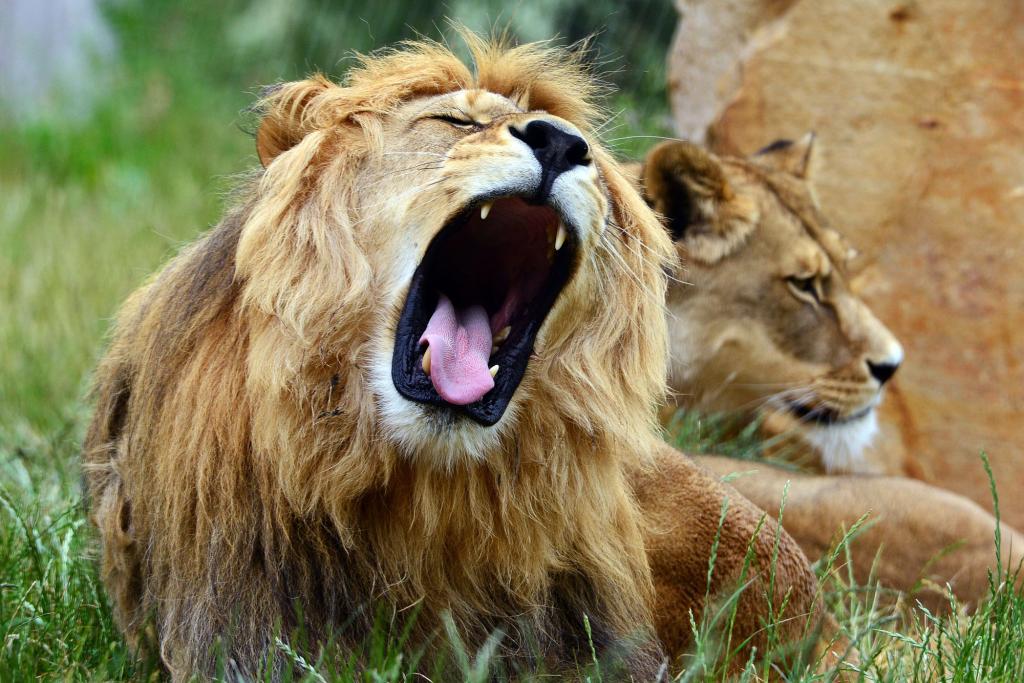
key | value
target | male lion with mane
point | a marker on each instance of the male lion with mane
(417, 366)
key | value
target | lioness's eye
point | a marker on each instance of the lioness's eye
(804, 288)
(455, 121)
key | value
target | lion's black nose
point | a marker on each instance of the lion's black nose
(883, 372)
(557, 151)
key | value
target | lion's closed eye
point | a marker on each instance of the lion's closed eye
(455, 120)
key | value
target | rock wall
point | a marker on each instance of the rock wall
(919, 111)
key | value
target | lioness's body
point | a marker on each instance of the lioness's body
(747, 342)
(914, 537)
(274, 448)
(691, 516)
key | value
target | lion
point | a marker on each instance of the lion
(771, 329)
(417, 367)
(771, 325)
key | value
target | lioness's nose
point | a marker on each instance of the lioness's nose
(556, 149)
(883, 372)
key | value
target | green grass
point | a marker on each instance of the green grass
(91, 208)
(55, 623)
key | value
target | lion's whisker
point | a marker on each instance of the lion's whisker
(648, 137)
(409, 154)
(644, 245)
(426, 166)
(386, 202)
(644, 287)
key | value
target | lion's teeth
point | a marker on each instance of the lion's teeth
(560, 236)
(494, 370)
(426, 361)
(485, 209)
(502, 334)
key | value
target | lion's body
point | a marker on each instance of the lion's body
(254, 467)
(250, 467)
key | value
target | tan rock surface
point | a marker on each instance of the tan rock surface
(919, 110)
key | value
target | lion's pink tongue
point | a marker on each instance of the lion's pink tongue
(460, 344)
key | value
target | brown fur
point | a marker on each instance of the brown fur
(691, 516)
(919, 539)
(240, 465)
(952, 538)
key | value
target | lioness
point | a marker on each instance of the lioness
(766, 322)
(770, 325)
(416, 367)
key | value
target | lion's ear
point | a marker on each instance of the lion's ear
(793, 157)
(688, 187)
(285, 116)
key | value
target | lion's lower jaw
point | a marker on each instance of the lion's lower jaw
(842, 446)
(427, 432)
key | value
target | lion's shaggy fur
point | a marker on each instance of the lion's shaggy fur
(237, 465)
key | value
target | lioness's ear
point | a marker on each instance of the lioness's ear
(683, 183)
(688, 187)
(789, 156)
(285, 120)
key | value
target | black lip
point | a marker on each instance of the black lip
(513, 355)
(822, 415)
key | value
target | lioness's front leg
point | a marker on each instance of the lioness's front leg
(683, 508)
(919, 538)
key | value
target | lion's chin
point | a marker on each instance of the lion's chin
(435, 435)
(477, 300)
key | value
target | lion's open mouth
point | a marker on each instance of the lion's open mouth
(476, 303)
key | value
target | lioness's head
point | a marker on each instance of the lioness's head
(471, 228)
(764, 317)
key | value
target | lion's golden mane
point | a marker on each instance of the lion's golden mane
(237, 465)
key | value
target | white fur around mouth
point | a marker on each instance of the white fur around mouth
(842, 445)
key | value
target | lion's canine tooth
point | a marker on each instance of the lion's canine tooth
(485, 209)
(502, 334)
(494, 370)
(560, 236)
(426, 361)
